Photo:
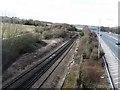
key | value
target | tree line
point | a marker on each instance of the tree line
(113, 29)
(16, 20)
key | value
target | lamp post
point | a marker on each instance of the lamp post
(99, 38)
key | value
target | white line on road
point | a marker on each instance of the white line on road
(114, 71)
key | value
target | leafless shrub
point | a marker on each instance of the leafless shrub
(14, 47)
(94, 54)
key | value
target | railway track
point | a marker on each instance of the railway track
(29, 77)
(56, 65)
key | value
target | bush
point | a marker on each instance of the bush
(47, 35)
(94, 54)
(101, 53)
(90, 73)
(88, 53)
(59, 33)
(81, 34)
(86, 31)
(14, 47)
(90, 47)
(89, 41)
(84, 55)
(39, 30)
(85, 40)
(90, 76)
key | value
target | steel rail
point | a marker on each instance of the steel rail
(32, 68)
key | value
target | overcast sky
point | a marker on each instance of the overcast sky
(86, 12)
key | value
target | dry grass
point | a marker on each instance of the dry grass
(91, 69)
(70, 81)
(28, 27)
(91, 74)
(12, 30)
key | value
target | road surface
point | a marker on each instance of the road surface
(108, 43)
(111, 40)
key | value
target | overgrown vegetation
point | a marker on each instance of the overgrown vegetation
(87, 70)
(81, 34)
(21, 36)
(70, 81)
(12, 48)
(13, 26)
(90, 44)
(91, 67)
(55, 30)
